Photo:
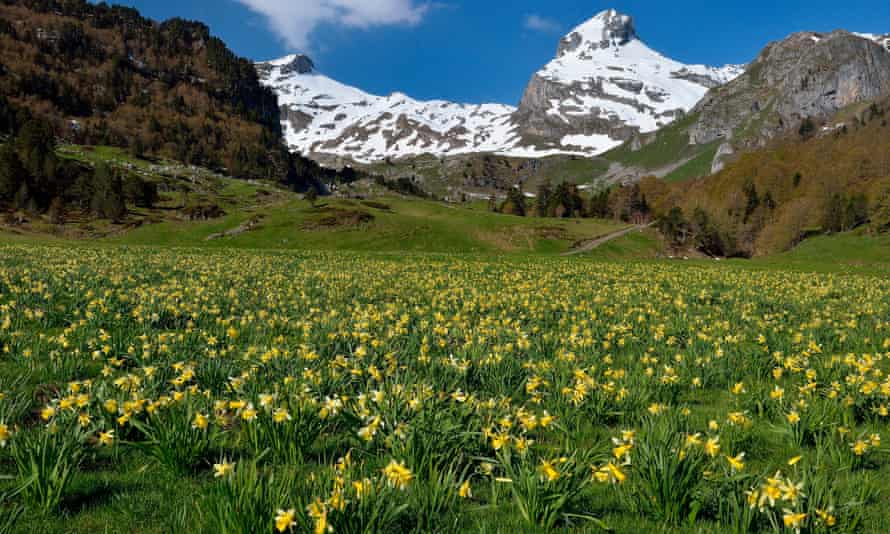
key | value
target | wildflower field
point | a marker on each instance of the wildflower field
(174, 390)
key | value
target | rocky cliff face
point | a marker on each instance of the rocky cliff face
(807, 75)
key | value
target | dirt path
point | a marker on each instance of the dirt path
(592, 244)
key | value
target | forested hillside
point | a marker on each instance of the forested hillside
(94, 74)
(827, 177)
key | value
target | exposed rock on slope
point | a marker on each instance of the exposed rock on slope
(805, 76)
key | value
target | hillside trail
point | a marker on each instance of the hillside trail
(592, 244)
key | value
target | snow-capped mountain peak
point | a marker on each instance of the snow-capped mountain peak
(605, 81)
(604, 86)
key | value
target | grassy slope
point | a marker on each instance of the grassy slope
(633, 246)
(699, 165)
(853, 252)
(290, 223)
(671, 144)
(410, 225)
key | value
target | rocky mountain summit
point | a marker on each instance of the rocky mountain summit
(604, 86)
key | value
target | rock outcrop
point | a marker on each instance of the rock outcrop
(807, 75)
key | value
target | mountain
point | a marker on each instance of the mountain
(73, 72)
(805, 76)
(792, 87)
(769, 199)
(604, 86)
(796, 146)
(321, 116)
(106, 75)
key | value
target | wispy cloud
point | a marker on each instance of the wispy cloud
(295, 20)
(541, 24)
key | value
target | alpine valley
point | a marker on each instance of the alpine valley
(106, 115)
(240, 296)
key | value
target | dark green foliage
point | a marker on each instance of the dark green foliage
(515, 203)
(565, 202)
(598, 205)
(707, 237)
(142, 193)
(12, 173)
(10, 117)
(807, 128)
(768, 201)
(402, 185)
(36, 147)
(107, 199)
(752, 200)
(32, 177)
(542, 200)
(843, 213)
(674, 227)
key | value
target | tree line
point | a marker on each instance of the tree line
(567, 200)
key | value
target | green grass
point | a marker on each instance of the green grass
(855, 252)
(699, 165)
(102, 154)
(633, 246)
(671, 144)
(410, 225)
(577, 170)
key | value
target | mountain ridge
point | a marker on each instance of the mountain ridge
(325, 118)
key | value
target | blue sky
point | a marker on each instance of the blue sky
(486, 50)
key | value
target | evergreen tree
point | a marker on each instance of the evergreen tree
(807, 128)
(835, 213)
(515, 203)
(752, 200)
(108, 194)
(12, 173)
(598, 205)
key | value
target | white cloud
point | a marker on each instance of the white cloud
(541, 24)
(294, 20)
